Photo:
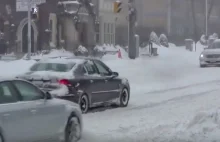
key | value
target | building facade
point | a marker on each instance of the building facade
(107, 22)
(49, 30)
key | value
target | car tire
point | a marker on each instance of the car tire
(202, 66)
(1, 138)
(73, 130)
(124, 98)
(84, 103)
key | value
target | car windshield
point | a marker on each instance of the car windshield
(215, 45)
(57, 67)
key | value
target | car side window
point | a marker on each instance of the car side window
(7, 93)
(103, 70)
(89, 68)
(28, 91)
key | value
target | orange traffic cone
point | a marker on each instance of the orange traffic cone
(119, 54)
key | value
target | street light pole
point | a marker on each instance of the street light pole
(29, 30)
(131, 30)
(206, 18)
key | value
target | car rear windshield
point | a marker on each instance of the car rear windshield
(57, 67)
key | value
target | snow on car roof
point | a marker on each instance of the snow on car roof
(217, 41)
(62, 60)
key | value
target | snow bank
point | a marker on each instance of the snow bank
(14, 68)
(203, 127)
(205, 122)
(50, 54)
(110, 48)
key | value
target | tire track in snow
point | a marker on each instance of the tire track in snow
(179, 98)
(182, 87)
(171, 90)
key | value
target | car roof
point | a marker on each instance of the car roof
(83, 58)
(66, 60)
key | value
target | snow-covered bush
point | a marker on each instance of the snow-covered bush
(154, 38)
(52, 45)
(203, 40)
(164, 40)
(82, 51)
(215, 36)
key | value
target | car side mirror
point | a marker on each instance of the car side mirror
(115, 74)
(47, 96)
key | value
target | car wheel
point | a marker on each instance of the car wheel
(73, 130)
(84, 104)
(1, 138)
(202, 66)
(124, 98)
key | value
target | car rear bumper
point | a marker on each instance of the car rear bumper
(64, 92)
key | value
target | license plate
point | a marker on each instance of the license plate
(213, 61)
(37, 82)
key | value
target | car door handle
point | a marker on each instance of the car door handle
(33, 111)
(91, 81)
(106, 81)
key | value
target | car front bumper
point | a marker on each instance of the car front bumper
(209, 61)
(70, 97)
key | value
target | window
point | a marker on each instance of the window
(28, 91)
(58, 67)
(7, 93)
(103, 70)
(109, 33)
(90, 68)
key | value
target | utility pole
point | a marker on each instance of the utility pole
(29, 30)
(131, 30)
(206, 18)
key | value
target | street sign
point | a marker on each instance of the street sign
(22, 5)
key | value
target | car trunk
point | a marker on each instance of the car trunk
(45, 81)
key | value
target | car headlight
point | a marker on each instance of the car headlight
(201, 56)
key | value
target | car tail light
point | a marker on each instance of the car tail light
(65, 82)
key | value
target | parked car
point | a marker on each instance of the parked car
(27, 114)
(210, 55)
(90, 82)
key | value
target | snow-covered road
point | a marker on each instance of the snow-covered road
(162, 115)
(167, 92)
(172, 99)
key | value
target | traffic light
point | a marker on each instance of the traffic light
(34, 13)
(117, 7)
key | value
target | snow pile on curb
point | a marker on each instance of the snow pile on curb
(110, 48)
(204, 127)
(15, 68)
(205, 122)
(52, 53)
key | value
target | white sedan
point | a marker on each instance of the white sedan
(211, 55)
(28, 115)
